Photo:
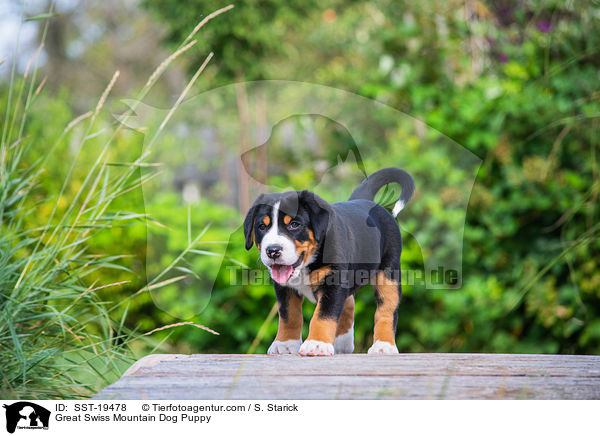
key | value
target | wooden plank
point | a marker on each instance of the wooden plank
(359, 376)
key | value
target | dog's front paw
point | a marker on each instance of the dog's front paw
(382, 347)
(311, 347)
(285, 347)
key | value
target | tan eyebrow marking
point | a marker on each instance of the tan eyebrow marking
(287, 219)
(266, 220)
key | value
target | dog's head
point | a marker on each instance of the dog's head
(288, 229)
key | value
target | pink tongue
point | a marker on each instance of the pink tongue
(281, 273)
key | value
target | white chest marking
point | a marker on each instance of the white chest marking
(300, 281)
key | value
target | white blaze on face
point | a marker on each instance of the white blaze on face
(281, 268)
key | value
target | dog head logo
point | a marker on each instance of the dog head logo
(26, 415)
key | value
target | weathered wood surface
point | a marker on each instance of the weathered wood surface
(359, 376)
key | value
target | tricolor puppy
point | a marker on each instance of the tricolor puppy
(325, 252)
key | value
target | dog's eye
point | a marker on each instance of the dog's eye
(262, 227)
(294, 225)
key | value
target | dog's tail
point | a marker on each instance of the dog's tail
(369, 187)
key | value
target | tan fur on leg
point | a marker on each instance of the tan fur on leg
(387, 292)
(346, 321)
(292, 327)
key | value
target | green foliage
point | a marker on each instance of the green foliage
(255, 28)
(516, 85)
(56, 336)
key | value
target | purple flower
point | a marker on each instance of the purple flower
(502, 57)
(544, 26)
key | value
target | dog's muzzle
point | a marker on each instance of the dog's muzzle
(281, 273)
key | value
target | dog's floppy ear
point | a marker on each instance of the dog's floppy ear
(249, 222)
(319, 211)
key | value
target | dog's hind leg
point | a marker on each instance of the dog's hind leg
(344, 334)
(387, 295)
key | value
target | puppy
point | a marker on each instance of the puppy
(326, 252)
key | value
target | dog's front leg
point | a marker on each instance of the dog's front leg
(289, 331)
(323, 325)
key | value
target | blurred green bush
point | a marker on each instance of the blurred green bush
(516, 83)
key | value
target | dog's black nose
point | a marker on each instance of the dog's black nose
(274, 251)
